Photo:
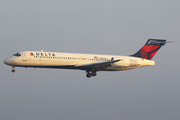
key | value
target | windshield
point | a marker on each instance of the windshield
(17, 54)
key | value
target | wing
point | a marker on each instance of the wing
(97, 66)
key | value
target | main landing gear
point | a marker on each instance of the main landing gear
(13, 70)
(89, 74)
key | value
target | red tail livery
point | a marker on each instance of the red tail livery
(150, 48)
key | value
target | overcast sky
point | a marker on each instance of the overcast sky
(115, 27)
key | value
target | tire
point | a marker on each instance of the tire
(13, 70)
(94, 74)
(88, 75)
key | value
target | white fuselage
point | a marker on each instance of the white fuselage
(74, 61)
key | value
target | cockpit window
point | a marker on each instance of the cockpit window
(17, 54)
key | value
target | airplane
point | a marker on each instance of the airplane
(91, 63)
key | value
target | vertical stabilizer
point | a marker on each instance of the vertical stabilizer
(150, 49)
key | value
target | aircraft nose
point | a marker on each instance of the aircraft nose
(7, 61)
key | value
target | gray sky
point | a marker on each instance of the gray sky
(116, 27)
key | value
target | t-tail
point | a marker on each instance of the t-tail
(150, 49)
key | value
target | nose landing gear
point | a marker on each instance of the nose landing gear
(13, 70)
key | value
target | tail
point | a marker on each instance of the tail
(150, 49)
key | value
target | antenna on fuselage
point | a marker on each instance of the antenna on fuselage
(42, 50)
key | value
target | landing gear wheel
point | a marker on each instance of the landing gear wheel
(88, 75)
(13, 70)
(94, 74)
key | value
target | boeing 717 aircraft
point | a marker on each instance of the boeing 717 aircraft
(91, 63)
